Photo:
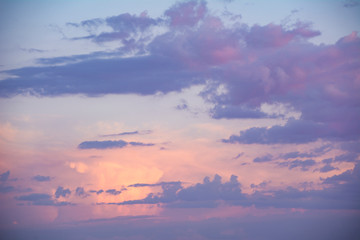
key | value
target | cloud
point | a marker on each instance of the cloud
(97, 191)
(113, 192)
(304, 165)
(296, 155)
(230, 112)
(240, 66)
(273, 35)
(186, 13)
(294, 131)
(81, 192)
(266, 158)
(4, 176)
(328, 168)
(341, 192)
(200, 195)
(155, 184)
(347, 157)
(144, 132)
(110, 144)
(124, 27)
(62, 192)
(350, 3)
(6, 189)
(40, 178)
(41, 199)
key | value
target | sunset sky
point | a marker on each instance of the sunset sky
(219, 119)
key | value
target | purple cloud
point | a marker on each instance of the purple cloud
(113, 192)
(62, 192)
(4, 176)
(304, 165)
(40, 199)
(186, 13)
(266, 158)
(40, 178)
(111, 144)
(327, 168)
(128, 133)
(81, 192)
(253, 65)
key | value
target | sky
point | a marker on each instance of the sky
(218, 119)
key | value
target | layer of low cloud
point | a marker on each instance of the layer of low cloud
(340, 192)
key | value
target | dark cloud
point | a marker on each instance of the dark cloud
(239, 155)
(62, 192)
(266, 158)
(81, 192)
(101, 76)
(347, 157)
(304, 165)
(327, 168)
(261, 185)
(186, 13)
(351, 3)
(110, 144)
(113, 192)
(295, 131)
(6, 189)
(230, 112)
(4, 176)
(102, 144)
(297, 155)
(200, 195)
(128, 133)
(97, 191)
(40, 199)
(341, 192)
(40, 178)
(155, 184)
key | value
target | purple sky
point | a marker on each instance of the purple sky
(180, 120)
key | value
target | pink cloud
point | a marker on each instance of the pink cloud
(186, 13)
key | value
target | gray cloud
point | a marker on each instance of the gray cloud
(40, 199)
(266, 158)
(4, 176)
(62, 192)
(110, 144)
(40, 178)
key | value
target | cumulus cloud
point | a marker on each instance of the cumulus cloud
(341, 192)
(111, 144)
(200, 195)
